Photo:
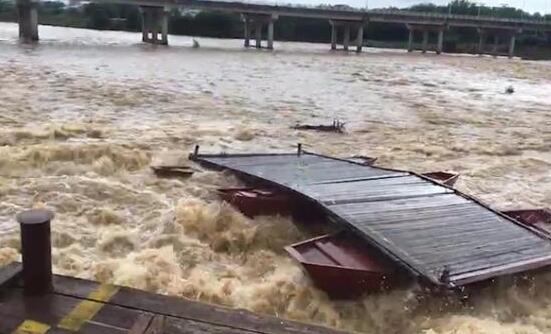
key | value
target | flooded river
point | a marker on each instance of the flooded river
(84, 113)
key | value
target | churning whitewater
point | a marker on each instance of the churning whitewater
(85, 113)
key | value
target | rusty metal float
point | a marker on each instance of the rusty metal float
(540, 218)
(343, 265)
(447, 178)
(257, 201)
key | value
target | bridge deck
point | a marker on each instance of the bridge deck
(423, 226)
(353, 14)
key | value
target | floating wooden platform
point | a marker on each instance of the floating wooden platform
(81, 306)
(437, 233)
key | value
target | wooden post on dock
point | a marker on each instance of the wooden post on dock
(36, 251)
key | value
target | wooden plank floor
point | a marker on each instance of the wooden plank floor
(82, 306)
(433, 231)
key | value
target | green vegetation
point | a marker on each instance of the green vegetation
(229, 25)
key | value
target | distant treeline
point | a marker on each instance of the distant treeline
(229, 25)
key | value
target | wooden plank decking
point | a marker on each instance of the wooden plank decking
(435, 232)
(81, 306)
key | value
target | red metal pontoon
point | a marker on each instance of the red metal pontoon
(172, 171)
(257, 201)
(446, 178)
(343, 265)
(538, 218)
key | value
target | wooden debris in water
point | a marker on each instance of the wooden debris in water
(337, 126)
(363, 159)
(173, 171)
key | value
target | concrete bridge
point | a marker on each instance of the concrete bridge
(258, 17)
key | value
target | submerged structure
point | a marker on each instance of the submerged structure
(437, 235)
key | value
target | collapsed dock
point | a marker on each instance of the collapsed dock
(438, 234)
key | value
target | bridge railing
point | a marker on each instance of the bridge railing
(458, 16)
(382, 11)
(443, 16)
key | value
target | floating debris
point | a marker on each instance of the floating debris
(363, 159)
(337, 126)
(195, 44)
(509, 90)
(173, 171)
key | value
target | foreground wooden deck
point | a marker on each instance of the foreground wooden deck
(435, 232)
(82, 306)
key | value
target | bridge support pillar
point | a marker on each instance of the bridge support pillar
(426, 29)
(481, 42)
(333, 37)
(346, 37)
(498, 34)
(257, 22)
(360, 38)
(425, 41)
(258, 34)
(440, 44)
(154, 25)
(347, 26)
(271, 34)
(28, 20)
(512, 46)
(246, 32)
(495, 48)
(410, 40)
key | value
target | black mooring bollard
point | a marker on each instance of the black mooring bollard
(36, 251)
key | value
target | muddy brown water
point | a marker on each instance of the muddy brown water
(84, 113)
